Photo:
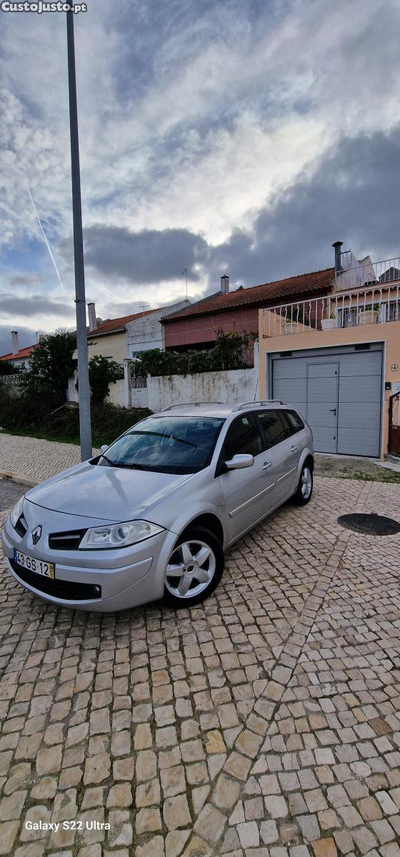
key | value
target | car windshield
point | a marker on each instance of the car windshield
(169, 444)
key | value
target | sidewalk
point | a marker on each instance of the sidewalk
(34, 458)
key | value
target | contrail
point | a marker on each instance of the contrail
(44, 236)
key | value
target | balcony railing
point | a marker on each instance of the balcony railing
(375, 305)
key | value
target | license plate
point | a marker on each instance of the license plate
(46, 569)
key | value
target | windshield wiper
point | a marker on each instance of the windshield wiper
(127, 466)
(107, 459)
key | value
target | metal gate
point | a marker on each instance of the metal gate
(394, 424)
(340, 393)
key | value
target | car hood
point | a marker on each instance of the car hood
(109, 493)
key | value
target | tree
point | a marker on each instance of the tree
(102, 373)
(51, 367)
(7, 368)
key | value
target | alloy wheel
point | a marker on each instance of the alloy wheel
(190, 569)
(306, 482)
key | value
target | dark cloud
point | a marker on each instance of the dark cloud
(25, 279)
(143, 257)
(26, 336)
(34, 305)
(118, 310)
(351, 196)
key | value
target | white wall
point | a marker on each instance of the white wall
(116, 396)
(234, 385)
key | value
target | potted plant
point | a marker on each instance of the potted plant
(369, 315)
(330, 322)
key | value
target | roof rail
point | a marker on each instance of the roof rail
(258, 402)
(185, 405)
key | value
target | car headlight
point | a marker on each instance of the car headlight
(16, 512)
(119, 535)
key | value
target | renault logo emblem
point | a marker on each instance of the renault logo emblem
(37, 532)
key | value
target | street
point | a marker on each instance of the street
(263, 723)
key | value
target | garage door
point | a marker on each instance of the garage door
(340, 395)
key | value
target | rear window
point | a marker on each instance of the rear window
(275, 428)
(167, 444)
(295, 422)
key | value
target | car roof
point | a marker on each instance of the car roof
(217, 409)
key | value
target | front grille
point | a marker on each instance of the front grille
(66, 541)
(65, 589)
(21, 527)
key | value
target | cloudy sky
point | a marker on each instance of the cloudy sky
(220, 136)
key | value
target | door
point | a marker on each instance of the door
(360, 403)
(323, 381)
(246, 491)
(322, 404)
(283, 450)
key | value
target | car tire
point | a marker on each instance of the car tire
(305, 487)
(194, 542)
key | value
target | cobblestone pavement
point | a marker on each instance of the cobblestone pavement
(38, 459)
(263, 723)
(10, 492)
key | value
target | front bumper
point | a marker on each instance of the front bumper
(127, 577)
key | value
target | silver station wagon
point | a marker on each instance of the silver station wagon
(151, 516)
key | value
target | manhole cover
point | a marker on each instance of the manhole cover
(371, 525)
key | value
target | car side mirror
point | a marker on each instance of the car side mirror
(238, 462)
(103, 448)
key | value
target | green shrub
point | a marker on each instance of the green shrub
(102, 373)
(37, 416)
(231, 351)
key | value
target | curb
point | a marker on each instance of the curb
(17, 477)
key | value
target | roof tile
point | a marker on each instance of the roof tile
(302, 284)
(111, 325)
(23, 352)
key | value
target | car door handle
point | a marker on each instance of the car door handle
(333, 410)
(267, 465)
(294, 448)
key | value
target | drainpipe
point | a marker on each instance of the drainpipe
(338, 260)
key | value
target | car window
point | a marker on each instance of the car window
(295, 422)
(167, 444)
(243, 437)
(275, 429)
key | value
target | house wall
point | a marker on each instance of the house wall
(204, 328)
(112, 345)
(241, 319)
(388, 333)
(145, 333)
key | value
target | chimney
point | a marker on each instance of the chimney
(338, 262)
(225, 285)
(14, 337)
(92, 317)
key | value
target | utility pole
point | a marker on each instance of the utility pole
(80, 300)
